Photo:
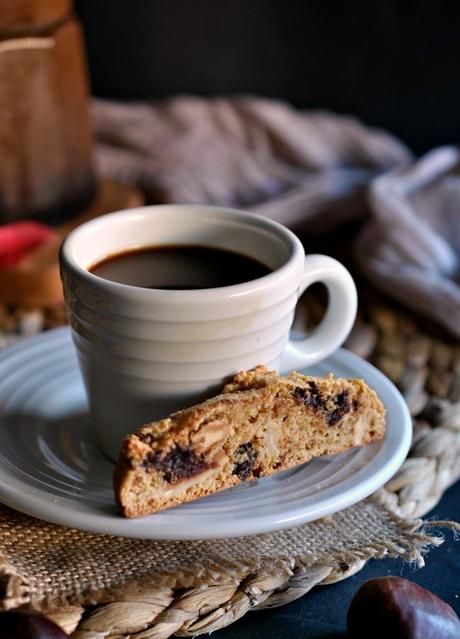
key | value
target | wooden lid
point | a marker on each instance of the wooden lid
(27, 17)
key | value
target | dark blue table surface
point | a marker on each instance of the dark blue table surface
(321, 614)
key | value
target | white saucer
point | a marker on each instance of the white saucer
(50, 466)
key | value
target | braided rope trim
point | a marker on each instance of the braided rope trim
(146, 612)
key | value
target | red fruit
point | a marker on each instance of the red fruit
(396, 608)
(20, 624)
(19, 238)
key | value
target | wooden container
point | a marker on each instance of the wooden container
(31, 16)
(45, 131)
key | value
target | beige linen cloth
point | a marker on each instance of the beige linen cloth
(310, 170)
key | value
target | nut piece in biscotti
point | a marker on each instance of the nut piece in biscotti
(259, 425)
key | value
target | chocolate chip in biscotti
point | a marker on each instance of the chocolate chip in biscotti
(246, 459)
(179, 463)
(146, 438)
(309, 396)
(343, 406)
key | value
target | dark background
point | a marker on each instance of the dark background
(393, 63)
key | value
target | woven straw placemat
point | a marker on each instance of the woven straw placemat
(99, 586)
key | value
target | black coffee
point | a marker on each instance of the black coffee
(179, 267)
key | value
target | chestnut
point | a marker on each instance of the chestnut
(21, 624)
(396, 608)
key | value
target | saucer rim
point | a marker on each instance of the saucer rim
(44, 506)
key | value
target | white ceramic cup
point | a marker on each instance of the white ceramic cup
(144, 353)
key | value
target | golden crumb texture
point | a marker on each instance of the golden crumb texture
(260, 424)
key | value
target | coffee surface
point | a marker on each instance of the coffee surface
(181, 267)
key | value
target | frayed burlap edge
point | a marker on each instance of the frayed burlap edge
(206, 596)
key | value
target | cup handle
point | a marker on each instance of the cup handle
(340, 314)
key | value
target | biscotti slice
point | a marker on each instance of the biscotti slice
(259, 425)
